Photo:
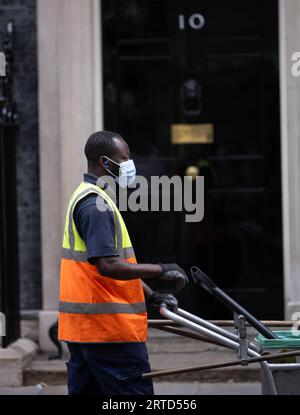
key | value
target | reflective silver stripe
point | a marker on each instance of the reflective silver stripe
(126, 253)
(102, 308)
(78, 256)
(81, 256)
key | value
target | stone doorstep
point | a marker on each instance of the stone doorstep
(14, 359)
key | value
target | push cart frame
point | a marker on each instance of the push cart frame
(275, 376)
(248, 353)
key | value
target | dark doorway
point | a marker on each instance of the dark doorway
(204, 62)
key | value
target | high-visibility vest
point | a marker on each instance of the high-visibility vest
(95, 308)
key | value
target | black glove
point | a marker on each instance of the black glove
(173, 273)
(156, 299)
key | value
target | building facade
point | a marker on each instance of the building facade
(143, 68)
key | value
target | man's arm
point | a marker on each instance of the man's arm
(171, 274)
(114, 267)
(98, 232)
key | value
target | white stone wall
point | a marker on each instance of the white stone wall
(70, 96)
(289, 37)
(69, 110)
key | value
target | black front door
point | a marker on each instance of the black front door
(201, 62)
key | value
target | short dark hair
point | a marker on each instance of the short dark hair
(100, 144)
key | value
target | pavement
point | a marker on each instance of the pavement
(166, 351)
(162, 388)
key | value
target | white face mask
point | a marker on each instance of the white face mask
(127, 172)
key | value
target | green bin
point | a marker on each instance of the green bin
(286, 375)
(287, 342)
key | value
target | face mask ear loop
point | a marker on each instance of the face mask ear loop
(110, 172)
(108, 169)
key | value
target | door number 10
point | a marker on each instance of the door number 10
(195, 21)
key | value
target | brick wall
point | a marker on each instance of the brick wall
(23, 13)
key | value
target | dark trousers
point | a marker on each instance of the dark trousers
(108, 369)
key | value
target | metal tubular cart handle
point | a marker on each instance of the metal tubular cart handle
(198, 320)
(201, 279)
(227, 339)
(215, 335)
(213, 327)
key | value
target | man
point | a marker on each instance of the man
(102, 313)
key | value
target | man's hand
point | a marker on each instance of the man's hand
(173, 273)
(156, 299)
